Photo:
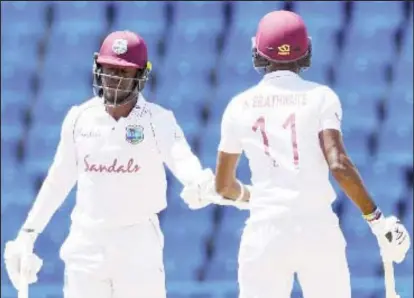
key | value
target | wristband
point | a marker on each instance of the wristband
(373, 216)
(241, 195)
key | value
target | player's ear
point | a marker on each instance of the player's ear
(305, 62)
(144, 72)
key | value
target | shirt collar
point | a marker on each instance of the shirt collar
(141, 101)
(279, 74)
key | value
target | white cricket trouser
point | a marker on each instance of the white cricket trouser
(124, 262)
(270, 254)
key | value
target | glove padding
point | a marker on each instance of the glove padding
(393, 238)
(195, 194)
(21, 261)
(202, 193)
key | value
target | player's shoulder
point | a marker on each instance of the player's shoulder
(157, 109)
(319, 89)
(160, 113)
(76, 111)
(238, 101)
(94, 102)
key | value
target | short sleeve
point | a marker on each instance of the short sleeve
(330, 111)
(230, 141)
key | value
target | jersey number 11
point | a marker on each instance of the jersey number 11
(289, 123)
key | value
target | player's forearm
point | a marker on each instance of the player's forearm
(52, 194)
(232, 190)
(346, 174)
(183, 163)
(186, 170)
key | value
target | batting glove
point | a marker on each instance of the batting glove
(20, 260)
(393, 238)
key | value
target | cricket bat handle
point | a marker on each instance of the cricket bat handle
(389, 280)
(23, 282)
(23, 288)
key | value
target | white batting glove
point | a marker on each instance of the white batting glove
(393, 238)
(202, 193)
(20, 260)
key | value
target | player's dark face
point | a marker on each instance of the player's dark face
(117, 83)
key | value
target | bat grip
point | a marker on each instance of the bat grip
(389, 280)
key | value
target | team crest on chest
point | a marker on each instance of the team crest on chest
(134, 134)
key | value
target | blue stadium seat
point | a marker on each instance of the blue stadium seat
(183, 97)
(16, 78)
(14, 216)
(8, 159)
(400, 107)
(396, 145)
(64, 79)
(363, 42)
(56, 103)
(248, 14)
(41, 147)
(198, 16)
(359, 108)
(208, 156)
(404, 73)
(238, 45)
(324, 49)
(81, 48)
(360, 73)
(408, 40)
(11, 133)
(79, 17)
(190, 128)
(25, 18)
(243, 170)
(19, 54)
(182, 261)
(13, 104)
(224, 93)
(140, 10)
(224, 263)
(386, 182)
(377, 14)
(209, 143)
(314, 12)
(317, 73)
(144, 17)
(233, 220)
(191, 227)
(17, 189)
(189, 53)
(181, 223)
(406, 267)
(233, 71)
(356, 141)
(183, 86)
(362, 264)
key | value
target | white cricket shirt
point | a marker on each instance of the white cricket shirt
(118, 165)
(276, 124)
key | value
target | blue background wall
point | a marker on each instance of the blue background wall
(201, 57)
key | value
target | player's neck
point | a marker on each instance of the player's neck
(281, 67)
(121, 111)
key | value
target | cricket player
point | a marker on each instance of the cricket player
(114, 147)
(290, 130)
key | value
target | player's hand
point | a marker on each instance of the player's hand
(20, 260)
(393, 238)
(201, 192)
